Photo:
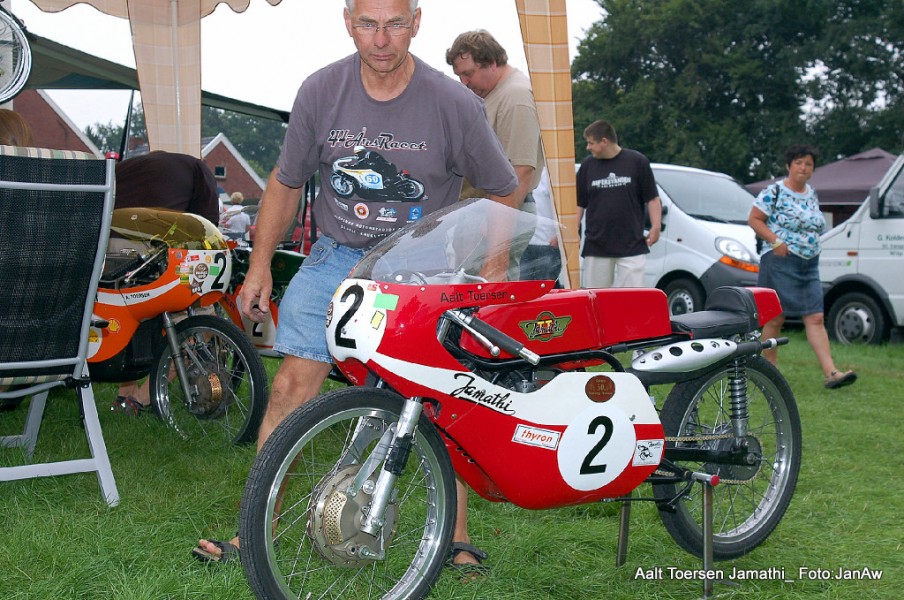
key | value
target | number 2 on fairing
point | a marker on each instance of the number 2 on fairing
(596, 447)
(219, 283)
(587, 467)
(358, 292)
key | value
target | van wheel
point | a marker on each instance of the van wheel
(685, 296)
(856, 318)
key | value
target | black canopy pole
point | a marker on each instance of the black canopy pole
(127, 127)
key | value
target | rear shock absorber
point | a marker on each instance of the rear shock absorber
(737, 396)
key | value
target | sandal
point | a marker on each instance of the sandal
(128, 405)
(228, 553)
(837, 379)
(466, 569)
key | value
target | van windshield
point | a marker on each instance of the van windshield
(706, 196)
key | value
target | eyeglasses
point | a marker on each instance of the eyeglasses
(391, 29)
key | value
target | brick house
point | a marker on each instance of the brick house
(232, 171)
(50, 127)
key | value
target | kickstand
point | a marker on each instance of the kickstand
(708, 482)
(624, 518)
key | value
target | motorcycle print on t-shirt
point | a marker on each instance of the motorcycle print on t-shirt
(371, 177)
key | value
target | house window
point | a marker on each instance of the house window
(219, 171)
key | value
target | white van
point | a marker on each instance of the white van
(705, 241)
(862, 266)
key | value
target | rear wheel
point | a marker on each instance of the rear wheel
(226, 378)
(301, 528)
(750, 500)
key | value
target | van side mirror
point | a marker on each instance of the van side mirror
(875, 203)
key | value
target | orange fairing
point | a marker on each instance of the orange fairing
(158, 261)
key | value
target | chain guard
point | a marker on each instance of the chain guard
(728, 474)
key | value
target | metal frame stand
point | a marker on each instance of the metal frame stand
(708, 482)
(624, 519)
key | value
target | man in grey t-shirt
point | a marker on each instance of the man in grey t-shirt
(413, 132)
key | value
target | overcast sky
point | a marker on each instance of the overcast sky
(263, 54)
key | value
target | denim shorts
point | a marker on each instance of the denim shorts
(302, 311)
(796, 280)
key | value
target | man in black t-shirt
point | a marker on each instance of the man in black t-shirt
(614, 185)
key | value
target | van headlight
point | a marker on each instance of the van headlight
(735, 254)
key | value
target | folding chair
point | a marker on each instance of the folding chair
(55, 211)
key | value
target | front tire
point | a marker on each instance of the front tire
(226, 377)
(343, 185)
(751, 500)
(856, 318)
(300, 529)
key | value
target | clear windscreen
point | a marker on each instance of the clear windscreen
(457, 244)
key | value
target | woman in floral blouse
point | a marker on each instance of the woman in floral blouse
(787, 216)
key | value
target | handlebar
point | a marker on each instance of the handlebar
(757, 346)
(492, 338)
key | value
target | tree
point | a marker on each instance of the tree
(259, 140)
(108, 138)
(713, 84)
(859, 78)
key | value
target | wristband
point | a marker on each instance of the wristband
(778, 242)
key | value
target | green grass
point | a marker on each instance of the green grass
(61, 541)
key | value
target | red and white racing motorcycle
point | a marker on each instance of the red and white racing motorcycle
(519, 389)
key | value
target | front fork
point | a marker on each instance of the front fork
(397, 457)
(178, 356)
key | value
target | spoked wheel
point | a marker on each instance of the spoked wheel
(226, 377)
(750, 500)
(301, 528)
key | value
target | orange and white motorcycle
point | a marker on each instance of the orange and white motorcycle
(164, 271)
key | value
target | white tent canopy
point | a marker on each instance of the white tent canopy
(166, 36)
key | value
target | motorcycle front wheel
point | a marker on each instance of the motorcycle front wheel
(301, 528)
(750, 500)
(226, 379)
(343, 185)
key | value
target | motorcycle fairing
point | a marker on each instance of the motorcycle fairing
(572, 320)
(596, 456)
(198, 268)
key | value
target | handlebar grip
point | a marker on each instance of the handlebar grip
(757, 346)
(510, 345)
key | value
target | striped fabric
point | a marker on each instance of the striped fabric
(31, 379)
(545, 32)
(44, 153)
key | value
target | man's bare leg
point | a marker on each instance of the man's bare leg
(297, 381)
(461, 525)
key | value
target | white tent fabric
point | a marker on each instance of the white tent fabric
(166, 36)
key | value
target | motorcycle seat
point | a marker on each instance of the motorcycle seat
(729, 310)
